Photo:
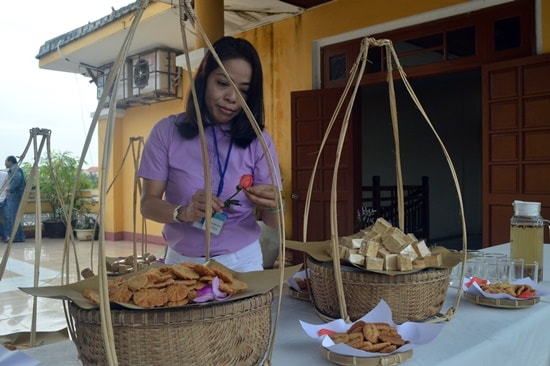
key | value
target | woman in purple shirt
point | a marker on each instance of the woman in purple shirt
(172, 168)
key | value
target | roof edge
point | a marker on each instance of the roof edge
(53, 44)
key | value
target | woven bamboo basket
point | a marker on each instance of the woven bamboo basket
(232, 333)
(411, 297)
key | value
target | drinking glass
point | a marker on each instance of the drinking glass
(531, 270)
(516, 269)
(475, 267)
(456, 273)
(491, 261)
(454, 277)
(503, 269)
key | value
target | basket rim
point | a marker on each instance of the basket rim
(501, 303)
(177, 314)
(358, 271)
(391, 359)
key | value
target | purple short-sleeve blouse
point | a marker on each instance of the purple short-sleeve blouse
(169, 157)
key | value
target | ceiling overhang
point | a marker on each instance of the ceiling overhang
(161, 30)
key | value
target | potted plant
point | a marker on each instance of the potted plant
(84, 225)
(57, 178)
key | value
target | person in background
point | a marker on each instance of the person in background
(3, 179)
(14, 193)
(172, 168)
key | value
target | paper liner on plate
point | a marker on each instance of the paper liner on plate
(415, 333)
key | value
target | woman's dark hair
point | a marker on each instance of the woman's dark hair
(228, 48)
(11, 159)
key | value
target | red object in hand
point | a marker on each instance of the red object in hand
(324, 331)
(246, 181)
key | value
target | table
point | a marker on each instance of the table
(477, 335)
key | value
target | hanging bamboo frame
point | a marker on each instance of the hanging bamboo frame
(352, 86)
(102, 323)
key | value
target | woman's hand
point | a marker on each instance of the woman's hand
(263, 196)
(196, 209)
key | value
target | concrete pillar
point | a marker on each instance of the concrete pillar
(211, 17)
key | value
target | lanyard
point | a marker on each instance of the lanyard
(222, 171)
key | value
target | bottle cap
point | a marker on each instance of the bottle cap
(523, 208)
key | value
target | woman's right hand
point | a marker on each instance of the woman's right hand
(196, 209)
(154, 207)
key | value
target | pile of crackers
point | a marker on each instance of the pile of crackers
(384, 247)
(508, 288)
(370, 337)
(167, 286)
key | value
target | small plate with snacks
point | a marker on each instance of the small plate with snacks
(372, 340)
(513, 295)
(298, 286)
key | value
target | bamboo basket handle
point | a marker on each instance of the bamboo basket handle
(111, 84)
(361, 60)
(275, 179)
(451, 311)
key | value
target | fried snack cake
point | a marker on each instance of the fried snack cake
(169, 285)
(370, 337)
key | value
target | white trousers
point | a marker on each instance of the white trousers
(248, 259)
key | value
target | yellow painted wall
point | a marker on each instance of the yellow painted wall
(123, 197)
(286, 52)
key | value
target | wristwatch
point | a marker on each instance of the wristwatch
(176, 213)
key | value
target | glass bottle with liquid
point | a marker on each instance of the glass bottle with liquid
(527, 233)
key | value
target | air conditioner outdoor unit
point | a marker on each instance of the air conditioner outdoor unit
(123, 84)
(154, 73)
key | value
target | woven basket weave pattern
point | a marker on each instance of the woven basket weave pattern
(411, 297)
(232, 333)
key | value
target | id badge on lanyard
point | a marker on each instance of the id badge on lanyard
(216, 224)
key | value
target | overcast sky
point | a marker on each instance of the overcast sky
(32, 97)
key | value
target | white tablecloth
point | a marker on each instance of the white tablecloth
(477, 335)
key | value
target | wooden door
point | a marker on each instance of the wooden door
(311, 113)
(516, 141)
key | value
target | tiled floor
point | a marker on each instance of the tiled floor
(16, 306)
